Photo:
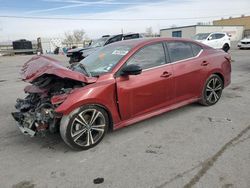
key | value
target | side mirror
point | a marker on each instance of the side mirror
(209, 38)
(131, 69)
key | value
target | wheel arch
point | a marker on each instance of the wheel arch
(111, 122)
(221, 77)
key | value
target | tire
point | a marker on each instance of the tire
(226, 47)
(85, 127)
(212, 90)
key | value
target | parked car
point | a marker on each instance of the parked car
(215, 40)
(118, 85)
(76, 55)
(244, 43)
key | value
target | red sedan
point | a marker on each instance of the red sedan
(118, 85)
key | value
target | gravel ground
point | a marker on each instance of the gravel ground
(193, 146)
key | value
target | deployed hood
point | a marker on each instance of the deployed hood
(43, 65)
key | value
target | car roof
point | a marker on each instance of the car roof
(144, 41)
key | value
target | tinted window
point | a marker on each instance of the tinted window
(212, 37)
(219, 35)
(201, 36)
(98, 43)
(196, 49)
(149, 56)
(133, 36)
(114, 39)
(179, 50)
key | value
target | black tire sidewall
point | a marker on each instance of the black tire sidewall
(204, 100)
(225, 48)
(68, 139)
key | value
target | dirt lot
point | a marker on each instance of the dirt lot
(193, 146)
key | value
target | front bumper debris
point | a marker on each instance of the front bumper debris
(25, 130)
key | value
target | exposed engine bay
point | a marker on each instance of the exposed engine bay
(35, 113)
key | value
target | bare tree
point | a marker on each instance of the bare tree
(78, 35)
(75, 36)
(69, 39)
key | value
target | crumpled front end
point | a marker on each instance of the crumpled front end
(35, 115)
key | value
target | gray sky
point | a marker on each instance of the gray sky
(176, 12)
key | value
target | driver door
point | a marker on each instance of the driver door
(150, 90)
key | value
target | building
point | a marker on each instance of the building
(243, 20)
(235, 31)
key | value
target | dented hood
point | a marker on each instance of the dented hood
(42, 65)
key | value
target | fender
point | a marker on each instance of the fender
(103, 94)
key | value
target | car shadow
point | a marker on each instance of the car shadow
(54, 143)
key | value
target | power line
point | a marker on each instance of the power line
(111, 19)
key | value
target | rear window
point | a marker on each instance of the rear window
(179, 51)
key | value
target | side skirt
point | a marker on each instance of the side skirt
(152, 114)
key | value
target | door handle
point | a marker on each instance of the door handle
(204, 63)
(166, 74)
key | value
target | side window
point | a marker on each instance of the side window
(149, 56)
(196, 49)
(133, 36)
(212, 37)
(219, 36)
(114, 39)
(179, 50)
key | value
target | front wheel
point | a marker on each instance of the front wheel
(226, 47)
(212, 90)
(85, 127)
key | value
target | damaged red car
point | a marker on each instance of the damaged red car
(118, 85)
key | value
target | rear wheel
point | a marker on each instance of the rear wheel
(212, 90)
(85, 127)
(226, 47)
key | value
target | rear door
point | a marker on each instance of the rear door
(150, 90)
(188, 68)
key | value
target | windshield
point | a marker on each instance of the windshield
(104, 59)
(201, 36)
(98, 42)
